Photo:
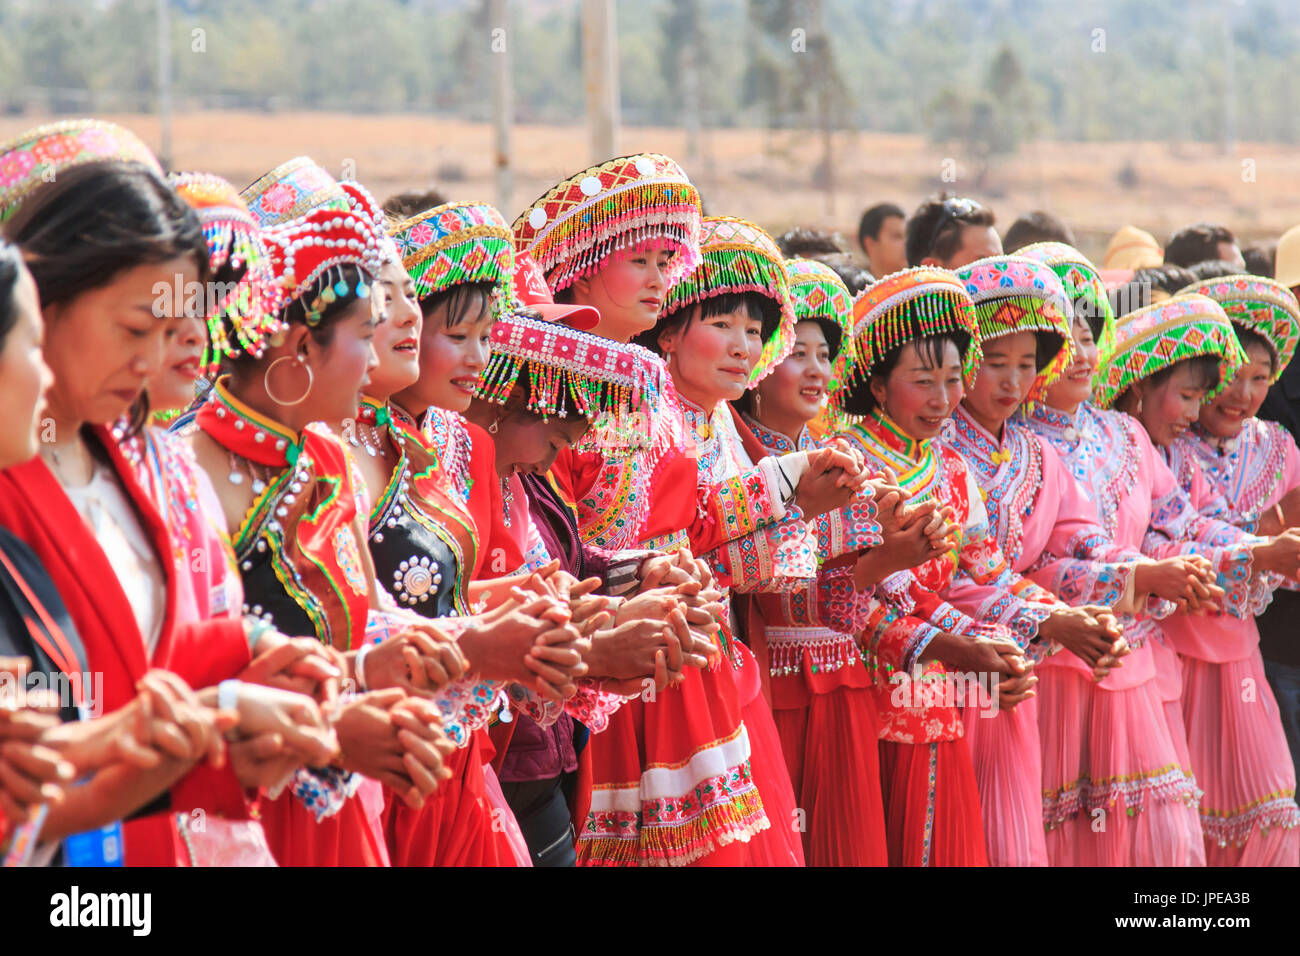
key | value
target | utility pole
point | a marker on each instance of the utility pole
(822, 45)
(165, 84)
(503, 105)
(600, 77)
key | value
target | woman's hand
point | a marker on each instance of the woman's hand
(369, 737)
(1280, 554)
(1185, 579)
(302, 665)
(294, 718)
(827, 484)
(181, 725)
(1087, 633)
(31, 773)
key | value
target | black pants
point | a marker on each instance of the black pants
(542, 809)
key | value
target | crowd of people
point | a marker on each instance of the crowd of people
(340, 533)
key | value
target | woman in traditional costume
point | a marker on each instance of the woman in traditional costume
(103, 237)
(819, 686)
(1110, 751)
(672, 776)
(917, 341)
(1234, 468)
(1034, 507)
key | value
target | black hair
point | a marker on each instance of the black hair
(857, 398)
(98, 220)
(754, 304)
(1205, 369)
(1136, 293)
(11, 267)
(462, 300)
(1196, 244)
(1213, 269)
(404, 205)
(806, 243)
(931, 232)
(101, 219)
(1248, 336)
(1261, 258)
(1036, 226)
(874, 217)
(846, 267)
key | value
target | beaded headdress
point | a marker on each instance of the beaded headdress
(361, 202)
(1014, 294)
(39, 154)
(291, 190)
(613, 385)
(1082, 283)
(632, 202)
(305, 249)
(735, 257)
(239, 321)
(456, 243)
(912, 304)
(1259, 304)
(1155, 337)
(819, 294)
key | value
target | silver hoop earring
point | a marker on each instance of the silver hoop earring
(266, 380)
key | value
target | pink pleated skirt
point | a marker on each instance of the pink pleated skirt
(1116, 791)
(1007, 757)
(1239, 751)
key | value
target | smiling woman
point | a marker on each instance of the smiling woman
(99, 238)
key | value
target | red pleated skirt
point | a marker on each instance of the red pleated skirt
(781, 844)
(829, 746)
(932, 804)
(672, 783)
(457, 826)
(350, 837)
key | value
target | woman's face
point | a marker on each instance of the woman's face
(1241, 400)
(526, 444)
(1168, 409)
(451, 357)
(340, 370)
(24, 377)
(1005, 377)
(918, 394)
(628, 291)
(107, 343)
(173, 386)
(397, 335)
(1075, 386)
(710, 358)
(797, 387)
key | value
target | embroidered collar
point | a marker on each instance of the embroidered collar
(775, 440)
(976, 444)
(916, 462)
(249, 434)
(1222, 446)
(1054, 424)
(698, 421)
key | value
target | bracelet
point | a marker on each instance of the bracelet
(360, 665)
(228, 695)
(256, 630)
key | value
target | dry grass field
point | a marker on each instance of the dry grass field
(762, 176)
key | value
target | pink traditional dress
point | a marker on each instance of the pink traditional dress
(1234, 731)
(1034, 509)
(1109, 749)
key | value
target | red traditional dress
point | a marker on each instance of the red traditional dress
(932, 803)
(34, 506)
(821, 692)
(302, 572)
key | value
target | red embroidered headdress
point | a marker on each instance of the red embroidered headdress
(626, 204)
